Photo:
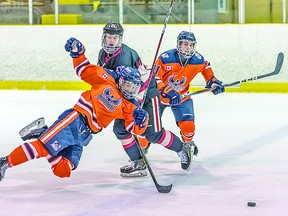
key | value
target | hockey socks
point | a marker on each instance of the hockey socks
(25, 152)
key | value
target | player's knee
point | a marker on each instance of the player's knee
(143, 142)
(187, 126)
(155, 137)
(187, 130)
(63, 168)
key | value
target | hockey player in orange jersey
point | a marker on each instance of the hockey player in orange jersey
(111, 96)
(175, 69)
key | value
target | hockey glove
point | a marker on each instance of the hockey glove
(75, 47)
(213, 82)
(140, 117)
(172, 95)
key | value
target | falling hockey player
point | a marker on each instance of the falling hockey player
(111, 96)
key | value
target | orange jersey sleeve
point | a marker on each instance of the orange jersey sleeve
(90, 73)
(104, 102)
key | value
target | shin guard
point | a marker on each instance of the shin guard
(187, 130)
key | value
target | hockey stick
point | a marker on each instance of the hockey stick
(153, 72)
(278, 66)
(160, 188)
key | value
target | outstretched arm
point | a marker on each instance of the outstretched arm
(89, 73)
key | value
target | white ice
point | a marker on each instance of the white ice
(243, 142)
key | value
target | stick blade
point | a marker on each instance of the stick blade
(164, 188)
(280, 60)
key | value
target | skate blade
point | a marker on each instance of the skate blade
(33, 125)
(140, 173)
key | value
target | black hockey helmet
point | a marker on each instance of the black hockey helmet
(113, 28)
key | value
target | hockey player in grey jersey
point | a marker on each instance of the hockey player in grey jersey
(113, 54)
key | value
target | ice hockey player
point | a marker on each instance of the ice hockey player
(113, 54)
(112, 95)
(175, 70)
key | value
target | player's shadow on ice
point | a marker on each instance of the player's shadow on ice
(30, 181)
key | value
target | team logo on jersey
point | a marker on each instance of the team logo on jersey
(165, 55)
(176, 83)
(107, 98)
(105, 76)
(168, 68)
(56, 145)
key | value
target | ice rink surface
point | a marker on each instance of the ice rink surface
(243, 144)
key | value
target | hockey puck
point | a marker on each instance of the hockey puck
(251, 204)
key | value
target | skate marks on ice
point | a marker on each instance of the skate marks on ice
(233, 154)
(84, 190)
(224, 170)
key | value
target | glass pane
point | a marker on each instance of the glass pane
(154, 11)
(263, 11)
(140, 11)
(107, 11)
(87, 11)
(14, 12)
(216, 12)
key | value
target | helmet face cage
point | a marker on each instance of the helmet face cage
(186, 37)
(129, 81)
(112, 29)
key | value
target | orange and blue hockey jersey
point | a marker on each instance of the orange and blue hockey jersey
(170, 71)
(104, 102)
(62, 143)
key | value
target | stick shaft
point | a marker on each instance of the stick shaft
(152, 72)
(278, 66)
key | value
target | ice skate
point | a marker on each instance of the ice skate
(3, 167)
(33, 130)
(194, 149)
(136, 168)
(186, 154)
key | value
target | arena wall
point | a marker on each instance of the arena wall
(33, 57)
